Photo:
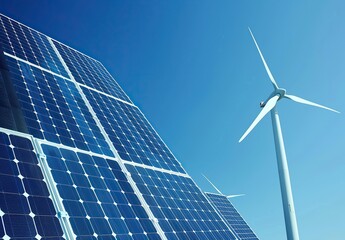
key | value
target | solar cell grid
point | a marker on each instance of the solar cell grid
(90, 72)
(232, 216)
(26, 209)
(131, 134)
(27, 44)
(54, 109)
(97, 196)
(182, 210)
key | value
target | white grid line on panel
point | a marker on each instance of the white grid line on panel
(58, 75)
(36, 66)
(156, 169)
(106, 94)
(121, 163)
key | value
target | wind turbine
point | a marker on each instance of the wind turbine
(229, 196)
(283, 170)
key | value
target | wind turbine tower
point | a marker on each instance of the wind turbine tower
(270, 106)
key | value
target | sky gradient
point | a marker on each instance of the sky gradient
(193, 69)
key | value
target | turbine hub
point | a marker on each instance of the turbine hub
(281, 92)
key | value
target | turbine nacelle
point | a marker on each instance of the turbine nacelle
(277, 92)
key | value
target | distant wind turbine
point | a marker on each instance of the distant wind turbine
(229, 196)
(285, 185)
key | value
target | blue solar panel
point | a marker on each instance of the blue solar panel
(90, 72)
(54, 109)
(131, 134)
(28, 44)
(84, 177)
(232, 216)
(97, 196)
(26, 209)
(181, 208)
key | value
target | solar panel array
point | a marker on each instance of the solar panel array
(232, 216)
(94, 167)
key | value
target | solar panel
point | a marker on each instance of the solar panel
(54, 109)
(181, 208)
(131, 134)
(26, 208)
(97, 196)
(232, 216)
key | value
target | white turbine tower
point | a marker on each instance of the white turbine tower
(285, 185)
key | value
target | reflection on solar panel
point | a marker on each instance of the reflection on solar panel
(26, 209)
(179, 205)
(94, 168)
(232, 216)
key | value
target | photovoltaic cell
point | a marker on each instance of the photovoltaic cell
(131, 134)
(232, 216)
(97, 196)
(26, 209)
(90, 72)
(30, 45)
(54, 109)
(182, 210)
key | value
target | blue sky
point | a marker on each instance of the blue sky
(193, 69)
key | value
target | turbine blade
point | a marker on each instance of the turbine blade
(301, 100)
(265, 64)
(268, 107)
(213, 185)
(236, 195)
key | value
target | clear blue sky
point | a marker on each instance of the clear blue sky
(193, 69)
